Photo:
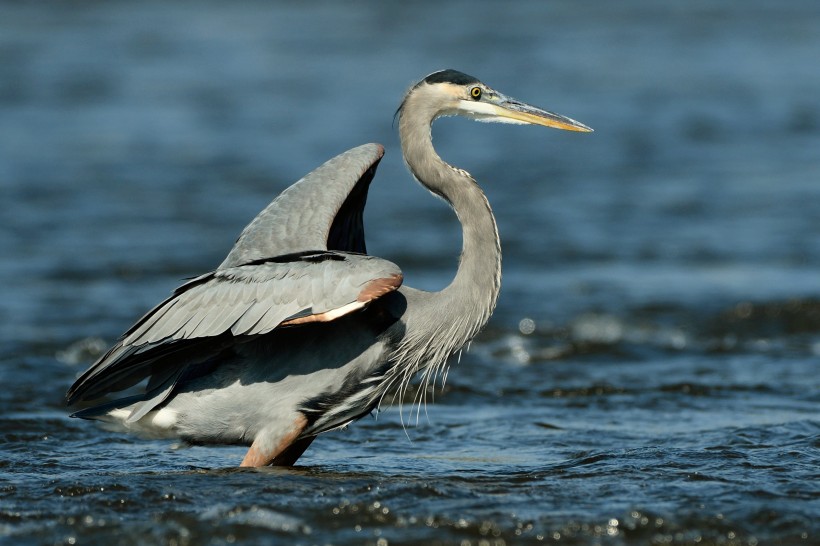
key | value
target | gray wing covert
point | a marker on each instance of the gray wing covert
(256, 298)
(322, 211)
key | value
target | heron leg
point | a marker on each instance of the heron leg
(291, 453)
(281, 451)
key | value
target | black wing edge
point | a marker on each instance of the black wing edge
(347, 230)
(164, 363)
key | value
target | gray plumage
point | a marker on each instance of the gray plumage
(298, 331)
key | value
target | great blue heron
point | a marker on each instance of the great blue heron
(299, 331)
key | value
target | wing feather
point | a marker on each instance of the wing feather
(279, 272)
(253, 298)
(248, 300)
(321, 211)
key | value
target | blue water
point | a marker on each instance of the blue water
(650, 375)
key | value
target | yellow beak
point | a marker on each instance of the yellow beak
(519, 112)
(503, 109)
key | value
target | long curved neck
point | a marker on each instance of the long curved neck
(470, 298)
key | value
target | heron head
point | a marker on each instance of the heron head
(453, 93)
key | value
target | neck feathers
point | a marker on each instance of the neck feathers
(460, 310)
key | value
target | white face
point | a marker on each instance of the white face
(475, 101)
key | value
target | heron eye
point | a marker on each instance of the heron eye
(475, 92)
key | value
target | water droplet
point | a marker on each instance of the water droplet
(526, 326)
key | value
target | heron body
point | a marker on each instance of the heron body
(299, 331)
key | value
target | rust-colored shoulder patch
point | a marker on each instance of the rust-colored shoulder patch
(379, 287)
(372, 290)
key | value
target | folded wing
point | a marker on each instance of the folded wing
(218, 308)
